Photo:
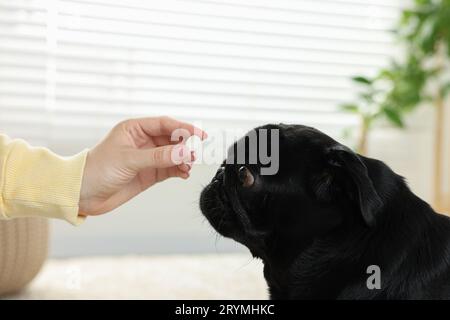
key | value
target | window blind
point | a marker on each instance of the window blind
(69, 69)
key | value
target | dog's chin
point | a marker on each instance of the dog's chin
(218, 213)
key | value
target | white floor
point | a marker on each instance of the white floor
(220, 276)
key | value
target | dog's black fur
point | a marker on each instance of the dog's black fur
(326, 216)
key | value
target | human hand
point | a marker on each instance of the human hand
(135, 155)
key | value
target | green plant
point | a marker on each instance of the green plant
(424, 32)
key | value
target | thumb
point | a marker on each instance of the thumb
(162, 157)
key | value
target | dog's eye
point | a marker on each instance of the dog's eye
(246, 177)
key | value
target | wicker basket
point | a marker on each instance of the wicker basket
(23, 251)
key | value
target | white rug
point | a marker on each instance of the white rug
(220, 276)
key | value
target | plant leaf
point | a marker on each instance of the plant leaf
(353, 108)
(394, 117)
(445, 89)
(362, 80)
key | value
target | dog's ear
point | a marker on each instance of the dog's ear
(348, 170)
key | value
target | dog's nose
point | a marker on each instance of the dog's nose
(220, 172)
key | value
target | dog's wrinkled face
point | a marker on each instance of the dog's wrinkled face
(319, 186)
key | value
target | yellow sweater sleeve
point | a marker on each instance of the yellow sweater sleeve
(36, 182)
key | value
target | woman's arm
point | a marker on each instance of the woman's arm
(37, 182)
(135, 155)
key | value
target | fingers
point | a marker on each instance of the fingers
(176, 172)
(165, 126)
(163, 141)
(172, 172)
(185, 167)
(162, 157)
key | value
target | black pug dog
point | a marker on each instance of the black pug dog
(325, 217)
